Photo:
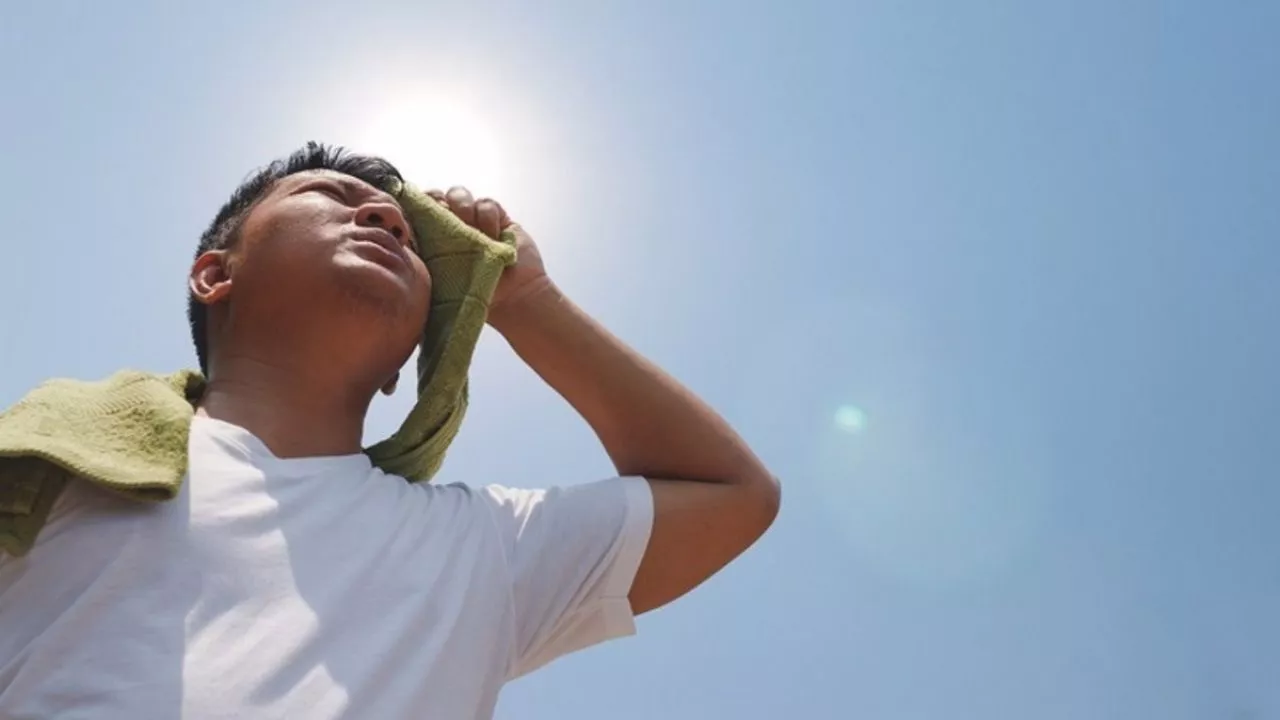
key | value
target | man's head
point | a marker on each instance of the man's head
(311, 259)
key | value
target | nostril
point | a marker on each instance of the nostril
(389, 221)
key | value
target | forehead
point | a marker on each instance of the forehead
(353, 184)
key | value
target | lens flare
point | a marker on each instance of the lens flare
(927, 503)
(850, 419)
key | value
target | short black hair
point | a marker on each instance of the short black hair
(225, 228)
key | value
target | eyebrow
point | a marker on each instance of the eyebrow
(360, 186)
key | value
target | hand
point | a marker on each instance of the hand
(520, 281)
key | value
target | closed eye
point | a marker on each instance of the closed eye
(332, 191)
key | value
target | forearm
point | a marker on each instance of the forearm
(649, 423)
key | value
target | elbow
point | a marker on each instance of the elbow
(766, 493)
(774, 502)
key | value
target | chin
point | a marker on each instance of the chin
(380, 301)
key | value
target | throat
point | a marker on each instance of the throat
(293, 421)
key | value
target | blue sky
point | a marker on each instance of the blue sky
(987, 284)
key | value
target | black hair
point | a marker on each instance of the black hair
(225, 228)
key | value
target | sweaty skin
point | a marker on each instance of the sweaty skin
(320, 242)
(712, 496)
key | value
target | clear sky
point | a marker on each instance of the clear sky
(993, 286)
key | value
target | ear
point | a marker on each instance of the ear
(390, 387)
(210, 279)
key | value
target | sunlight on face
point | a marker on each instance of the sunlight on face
(438, 142)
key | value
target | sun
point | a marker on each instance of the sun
(438, 142)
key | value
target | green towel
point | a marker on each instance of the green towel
(128, 433)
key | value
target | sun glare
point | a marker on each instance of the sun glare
(438, 142)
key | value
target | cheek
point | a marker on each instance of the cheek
(295, 221)
(288, 246)
(299, 232)
(422, 278)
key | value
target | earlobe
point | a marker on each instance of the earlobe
(390, 386)
(210, 282)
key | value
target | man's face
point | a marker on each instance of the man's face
(323, 247)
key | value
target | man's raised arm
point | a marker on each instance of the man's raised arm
(712, 497)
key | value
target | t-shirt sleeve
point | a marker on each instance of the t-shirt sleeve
(572, 553)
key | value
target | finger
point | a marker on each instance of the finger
(462, 204)
(438, 196)
(489, 216)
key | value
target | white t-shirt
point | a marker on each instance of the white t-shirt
(309, 588)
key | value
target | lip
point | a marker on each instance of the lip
(385, 242)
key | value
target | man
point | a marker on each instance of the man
(291, 578)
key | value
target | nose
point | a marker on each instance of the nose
(385, 216)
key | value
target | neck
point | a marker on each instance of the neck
(293, 413)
